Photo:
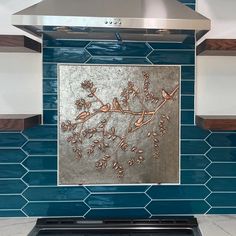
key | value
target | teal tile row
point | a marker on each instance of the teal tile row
(222, 139)
(173, 57)
(222, 199)
(222, 154)
(187, 73)
(12, 202)
(117, 189)
(193, 132)
(11, 140)
(194, 147)
(223, 184)
(55, 193)
(178, 192)
(11, 171)
(64, 43)
(194, 162)
(12, 213)
(41, 148)
(12, 155)
(187, 117)
(187, 102)
(66, 55)
(49, 70)
(50, 117)
(50, 101)
(9, 186)
(50, 86)
(55, 208)
(117, 200)
(222, 169)
(194, 177)
(118, 60)
(41, 163)
(39, 178)
(130, 49)
(178, 207)
(41, 132)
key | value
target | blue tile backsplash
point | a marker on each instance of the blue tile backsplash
(28, 159)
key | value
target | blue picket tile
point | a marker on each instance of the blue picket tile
(64, 43)
(49, 101)
(55, 193)
(187, 102)
(222, 139)
(11, 140)
(194, 177)
(11, 171)
(49, 70)
(55, 209)
(222, 169)
(117, 60)
(116, 188)
(192, 6)
(187, 117)
(117, 200)
(50, 86)
(173, 57)
(41, 178)
(222, 199)
(222, 184)
(187, 1)
(41, 148)
(193, 132)
(194, 147)
(117, 214)
(50, 117)
(187, 44)
(221, 211)
(11, 213)
(41, 132)
(135, 49)
(187, 87)
(12, 186)
(178, 192)
(187, 72)
(65, 55)
(12, 202)
(178, 207)
(11, 156)
(222, 154)
(194, 162)
(41, 163)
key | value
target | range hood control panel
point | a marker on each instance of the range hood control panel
(113, 22)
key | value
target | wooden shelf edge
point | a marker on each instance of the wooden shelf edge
(19, 43)
(217, 47)
(18, 122)
(216, 122)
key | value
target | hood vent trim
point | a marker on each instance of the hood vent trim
(161, 18)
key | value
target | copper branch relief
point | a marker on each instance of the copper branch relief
(118, 124)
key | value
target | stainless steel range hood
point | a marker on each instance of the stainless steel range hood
(153, 20)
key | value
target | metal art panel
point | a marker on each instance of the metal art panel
(118, 124)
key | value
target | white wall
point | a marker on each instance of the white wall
(20, 73)
(216, 76)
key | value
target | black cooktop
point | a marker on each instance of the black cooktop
(163, 226)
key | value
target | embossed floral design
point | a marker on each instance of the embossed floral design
(104, 138)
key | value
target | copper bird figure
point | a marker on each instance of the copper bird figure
(116, 105)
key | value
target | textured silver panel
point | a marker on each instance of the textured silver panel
(118, 124)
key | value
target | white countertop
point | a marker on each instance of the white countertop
(213, 225)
